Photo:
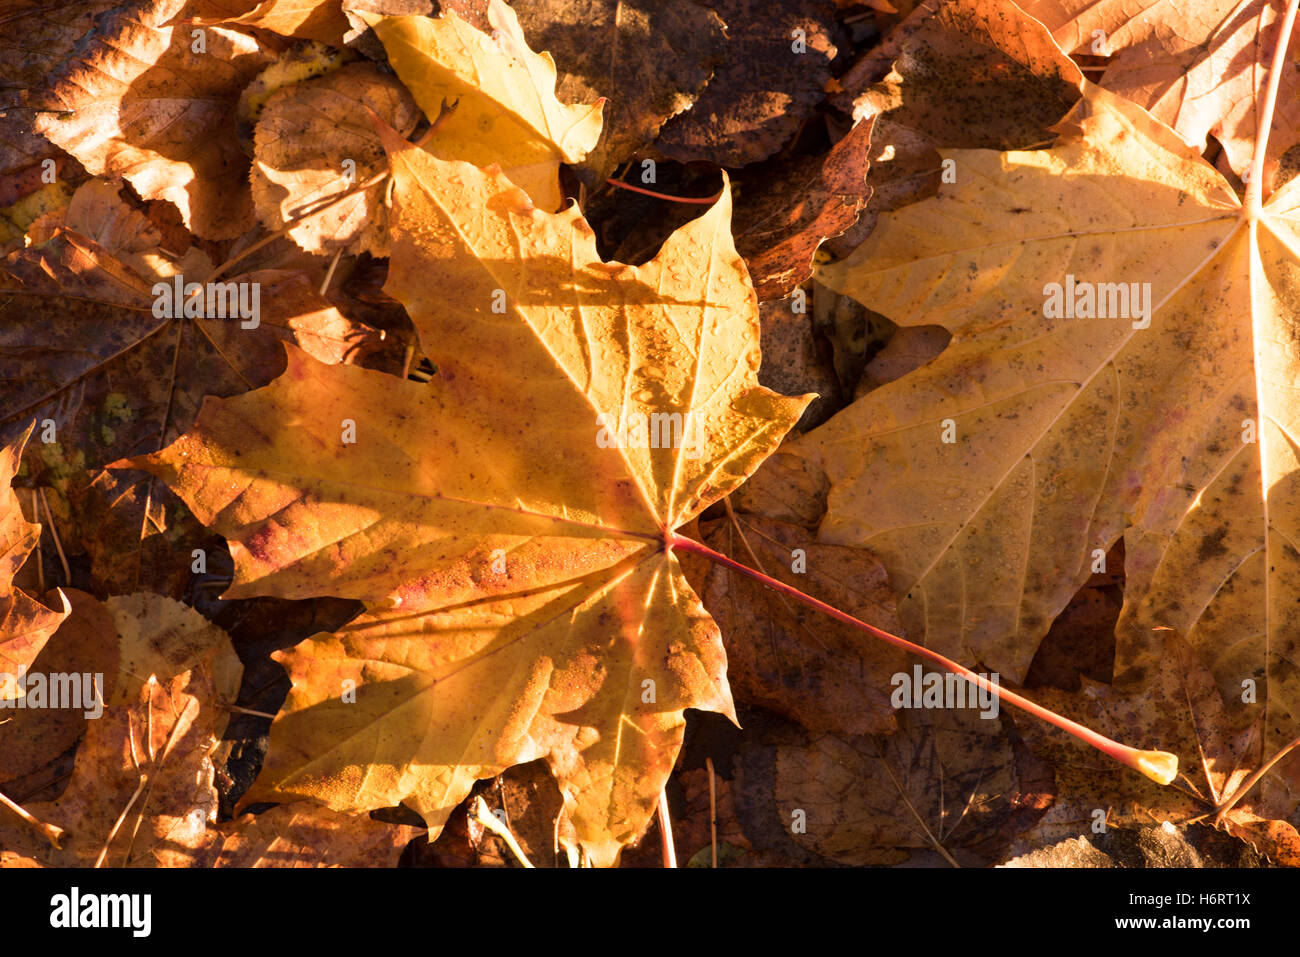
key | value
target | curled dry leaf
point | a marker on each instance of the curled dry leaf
(121, 643)
(651, 58)
(83, 644)
(145, 761)
(136, 101)
(506, 109)
(521, 602)
(1196, 67)
(25, 624)
(779, 230)
(316, 141)
(319, 20)
(305, 61)
(773, 77)
(142, 794)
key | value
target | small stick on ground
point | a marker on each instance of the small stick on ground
(54, 534)
(240, 710)
(713, 812)
(139, 788)
(497, 827)
(1251, 781)
(329, 273)
(51, 832)
(666, 830)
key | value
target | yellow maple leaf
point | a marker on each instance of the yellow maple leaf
(1123, 362)
(506, 109)
(507, 523)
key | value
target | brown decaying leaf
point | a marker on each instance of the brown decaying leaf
(316, 141)
(783, 656)
(35, 39)
(909, 348)
(949, 783)
(25, 624)
(1181, 711)
(650, 58)
(146, 762)
(692, 832)
(763, 91)
(80, 345)
(83, 643)
(797, 359)
(142, 795)
(783, 219)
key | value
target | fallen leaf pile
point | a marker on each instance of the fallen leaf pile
(391, 399)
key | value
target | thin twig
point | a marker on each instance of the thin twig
(497, 827)
(40, 565)
(240, 710)
(666, 830)
(713, 812)
(54, 534)
(51, 832)
(103, 852)
(934, 841)
(1251, 781)
(329, 273)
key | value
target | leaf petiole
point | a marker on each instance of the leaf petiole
(1159, 766)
